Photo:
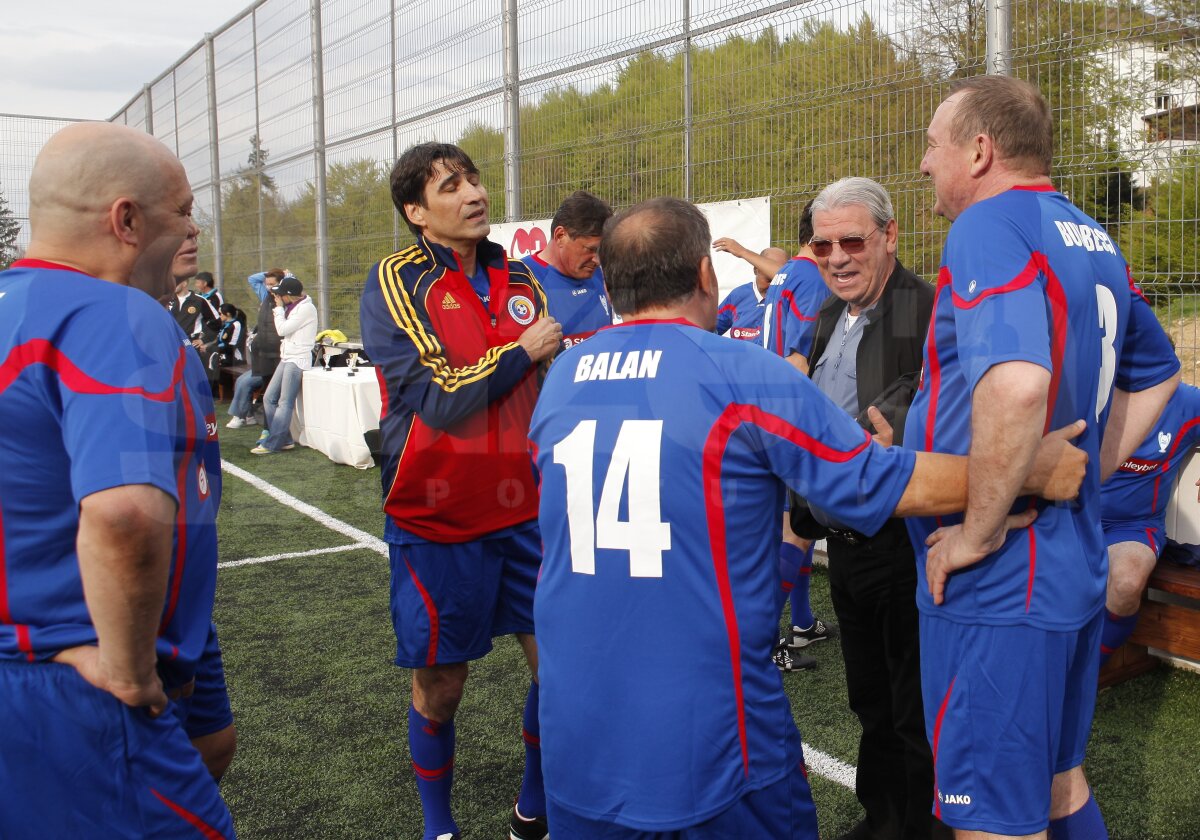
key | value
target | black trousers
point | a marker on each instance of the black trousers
(873, 587)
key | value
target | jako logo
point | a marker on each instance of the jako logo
(954, 798)
(527, 241)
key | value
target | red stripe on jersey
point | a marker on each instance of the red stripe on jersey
(1026, 276)
(1133, 287)
(1032, 565)
(734, 415)
(1058, 335)
(1179, 435)
(22, 630)
(383, 392)
(937, 739)
(729, 308)
(431, 610)
(790, 297)
(40, 351)
(24, 643)
(181, 515)
(1151, 541)
(26, 263)
(934, 361)
(1034, 187)
(530, 739)
(195, 821)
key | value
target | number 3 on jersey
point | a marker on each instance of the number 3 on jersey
(1106, 305)
(633, 470)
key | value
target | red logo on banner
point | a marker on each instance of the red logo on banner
(527, 241)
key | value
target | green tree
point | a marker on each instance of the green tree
(10, 228)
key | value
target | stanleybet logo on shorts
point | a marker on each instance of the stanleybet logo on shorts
(520, 308)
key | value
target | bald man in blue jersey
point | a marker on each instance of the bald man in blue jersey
(111, 487)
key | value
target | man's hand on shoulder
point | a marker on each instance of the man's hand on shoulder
(542, 338)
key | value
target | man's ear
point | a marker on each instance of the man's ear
(559, 235)
(415, 213)
(983, 153)
(707, 281)
(125, 219)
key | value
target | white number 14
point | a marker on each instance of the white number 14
(635, 464)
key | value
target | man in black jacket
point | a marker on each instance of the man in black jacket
(867, 355)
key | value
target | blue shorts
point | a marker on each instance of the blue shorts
(782, 811)
(1006, 708)
(76, 762)
(207, 709)
(449, 600)
(1148, 532)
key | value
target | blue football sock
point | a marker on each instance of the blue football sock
(532, 801)
(1084, 824)
(432, 747)
(1117, 628)
(800, 564)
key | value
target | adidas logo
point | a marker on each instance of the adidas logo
(449, 302)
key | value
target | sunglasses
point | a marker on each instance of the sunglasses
(850, 244)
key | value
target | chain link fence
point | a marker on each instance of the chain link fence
(289, 117)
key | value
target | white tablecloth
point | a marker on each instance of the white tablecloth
(334, 411)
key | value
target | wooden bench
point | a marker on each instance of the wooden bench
(1173, 628)
(226, 376)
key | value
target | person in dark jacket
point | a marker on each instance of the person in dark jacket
(866, 355)
(264, 350)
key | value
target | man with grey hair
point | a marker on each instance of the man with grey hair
(866, 356)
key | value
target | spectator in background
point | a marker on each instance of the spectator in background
(741, 313)
(194, 314)
(569, 269)
(263, 346)
(296, 323)
(206, 287)
(231, 341)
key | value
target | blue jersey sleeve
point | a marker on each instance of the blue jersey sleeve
(999, 300)
(1147, 357)
(726, 313)
(120, 408)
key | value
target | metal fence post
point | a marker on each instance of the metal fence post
(687, 100)
(258, 161)
(146, 91)
(319, 160)
(512, 114)
(999, 37)
(214, 154)
(395, 120)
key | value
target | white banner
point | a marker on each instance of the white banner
(747, 220)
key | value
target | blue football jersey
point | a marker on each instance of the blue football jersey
(99, 388)
(661, 448)
(741, 313)
(792, 302)
(1026, 276)
(1140, 489)
(581, 306)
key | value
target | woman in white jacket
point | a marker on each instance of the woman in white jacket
(296, 322)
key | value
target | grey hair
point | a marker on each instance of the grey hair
(857, 191)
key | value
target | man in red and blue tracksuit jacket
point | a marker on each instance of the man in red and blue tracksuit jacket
(457, 332)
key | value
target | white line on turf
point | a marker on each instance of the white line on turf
(250, 561)
(362, 538)
(822, 764)
(829, 767)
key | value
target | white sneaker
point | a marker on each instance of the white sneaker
(235, 423)
(251, 420)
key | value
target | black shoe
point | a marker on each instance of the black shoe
(803, 637)
(520, 828)
(786, 661)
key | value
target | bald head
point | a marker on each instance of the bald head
(111, 201)
(777, 256)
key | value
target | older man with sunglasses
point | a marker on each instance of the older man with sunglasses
(866, 356)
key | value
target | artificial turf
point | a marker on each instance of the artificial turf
(321, 711)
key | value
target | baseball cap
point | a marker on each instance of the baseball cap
(290, 286)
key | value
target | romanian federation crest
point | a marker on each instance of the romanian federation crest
(520, 308)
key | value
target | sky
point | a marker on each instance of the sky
(84, 59)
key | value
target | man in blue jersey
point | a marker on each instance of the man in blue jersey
(1036, 322)
(111, 487)
(793, 300)
(661, 448)
(1133, 503)
(741, 312)
(568, 269)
